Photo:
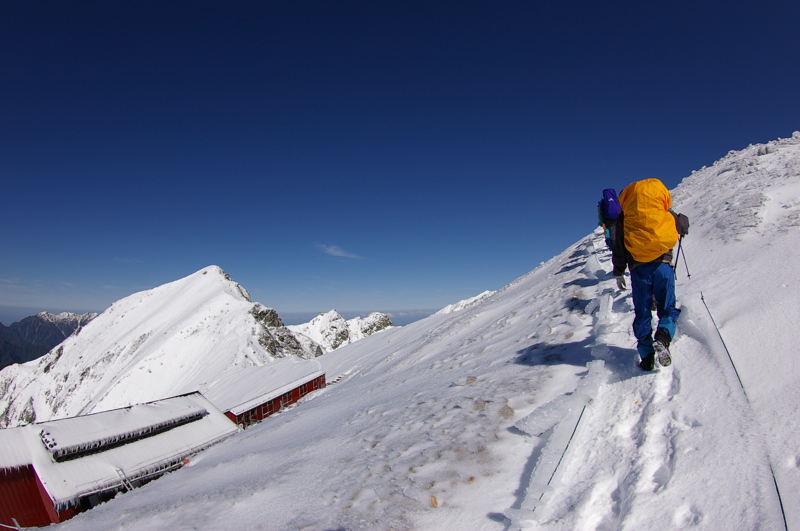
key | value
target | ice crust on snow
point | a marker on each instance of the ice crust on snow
(561, 415)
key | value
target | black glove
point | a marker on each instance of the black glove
(682, 224)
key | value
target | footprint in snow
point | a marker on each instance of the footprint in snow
(686, 516)
(661, 477)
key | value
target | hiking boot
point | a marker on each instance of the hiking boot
(663, 336)
(661, 346)
(648, 363)
(662, 351)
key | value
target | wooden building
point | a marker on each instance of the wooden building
(246, 414)
(50, 471)
(250, 395)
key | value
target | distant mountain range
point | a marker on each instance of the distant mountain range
(34, 336)
(332, 331)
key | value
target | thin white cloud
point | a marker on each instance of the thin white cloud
(128, 260)
(335, 250)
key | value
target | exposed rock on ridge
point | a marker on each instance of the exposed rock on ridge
(332, 331)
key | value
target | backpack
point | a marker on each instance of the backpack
(610, 204)
(649, 228)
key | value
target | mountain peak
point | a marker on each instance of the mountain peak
(150, 345)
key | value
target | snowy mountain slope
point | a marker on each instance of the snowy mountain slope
(158, 343)
(425, 429)
(332, 331)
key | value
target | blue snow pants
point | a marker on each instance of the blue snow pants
(647, 280)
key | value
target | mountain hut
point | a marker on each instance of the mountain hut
(50, 471)
(250, 395)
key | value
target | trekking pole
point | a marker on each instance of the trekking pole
(677, 257)
(685, 264)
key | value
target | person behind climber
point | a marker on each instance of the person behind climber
(608, 210)
(647, 230)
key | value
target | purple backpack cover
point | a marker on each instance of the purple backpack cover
(610, 204)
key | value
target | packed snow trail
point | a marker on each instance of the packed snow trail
(659, 433)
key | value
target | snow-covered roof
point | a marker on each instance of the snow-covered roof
(79, 456)
(238, 391)
(72, 437)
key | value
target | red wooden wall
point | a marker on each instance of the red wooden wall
(273, 406)
(23, 497)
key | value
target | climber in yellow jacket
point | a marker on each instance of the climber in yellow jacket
(647, 230)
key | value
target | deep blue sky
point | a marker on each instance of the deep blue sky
(355, 155)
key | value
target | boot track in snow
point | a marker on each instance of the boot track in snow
(653, 426)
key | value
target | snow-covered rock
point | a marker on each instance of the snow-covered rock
(154, 344)
(332, 331)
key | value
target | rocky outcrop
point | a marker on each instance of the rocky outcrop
(332, 331)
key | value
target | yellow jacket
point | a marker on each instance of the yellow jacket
(649, 227)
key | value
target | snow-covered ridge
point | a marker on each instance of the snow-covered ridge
(422, 429)
(332, 331)
(744, 191)
(466, 303)
(180, 337)
(66, 317)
